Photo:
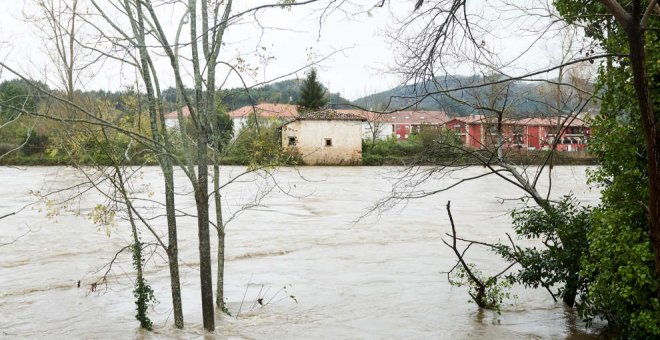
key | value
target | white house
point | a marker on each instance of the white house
(400, 124)
(266, 113)
(172, 118)
(325, 137)
(374, 125)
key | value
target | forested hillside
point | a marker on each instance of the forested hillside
(523, 98)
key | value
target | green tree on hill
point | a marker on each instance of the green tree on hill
(312, 94)
(14, 96)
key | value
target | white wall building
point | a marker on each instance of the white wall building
(325, 138)
(172, 118)
(266, 113)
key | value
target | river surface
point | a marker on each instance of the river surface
(320, 273)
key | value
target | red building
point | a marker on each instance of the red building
(479, 131)
(406, 123)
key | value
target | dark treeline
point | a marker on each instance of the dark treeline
(282, 92)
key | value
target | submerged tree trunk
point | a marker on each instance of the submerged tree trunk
(173, 245)
(201, 199)
(156, 118)
(219, 299)
(211, 49)
(202, 189)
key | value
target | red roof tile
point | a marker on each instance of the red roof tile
(329, 114)
(174, 115)
(403, 117)
(266, 110)
(534, 121)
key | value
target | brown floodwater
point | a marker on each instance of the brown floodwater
(319, 273)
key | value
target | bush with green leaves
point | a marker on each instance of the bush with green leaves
(619, 265)
(562, 228)
(489, 293)
(391, 151)
(143, 293)
(430, 145)
(259, 146)
(619, 262)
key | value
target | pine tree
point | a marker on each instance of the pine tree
(312, 94)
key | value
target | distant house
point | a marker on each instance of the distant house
(406, 123)
(374, 123)
(539, 133)
(401, 124)
(325, 137)
(267, 113)
(172, 118)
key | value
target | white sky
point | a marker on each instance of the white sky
(363, 68)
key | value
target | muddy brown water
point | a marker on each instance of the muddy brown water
(319, 273)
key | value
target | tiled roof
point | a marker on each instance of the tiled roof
(553, 121)
(266, 110)
(534, 121)
(417, 117)
(173, 114)
(400, 117)
(472, 119)
(329, 114)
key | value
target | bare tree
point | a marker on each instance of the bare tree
(440, 31)
(483, 290)
(440, 36)
(59, 23)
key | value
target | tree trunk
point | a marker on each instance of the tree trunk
(173, 246)
(202, 189)
(201, 199)
(641, 83)
(156, 117)
(211, 52)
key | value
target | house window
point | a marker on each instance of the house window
(292, 141)
(457, 128)
(328, 142)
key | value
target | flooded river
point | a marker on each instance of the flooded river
(319, 273)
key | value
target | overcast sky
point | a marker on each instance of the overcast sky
(363, 67)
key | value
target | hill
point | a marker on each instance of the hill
(523, 98)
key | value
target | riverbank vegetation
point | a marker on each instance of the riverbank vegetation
(442, 147)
